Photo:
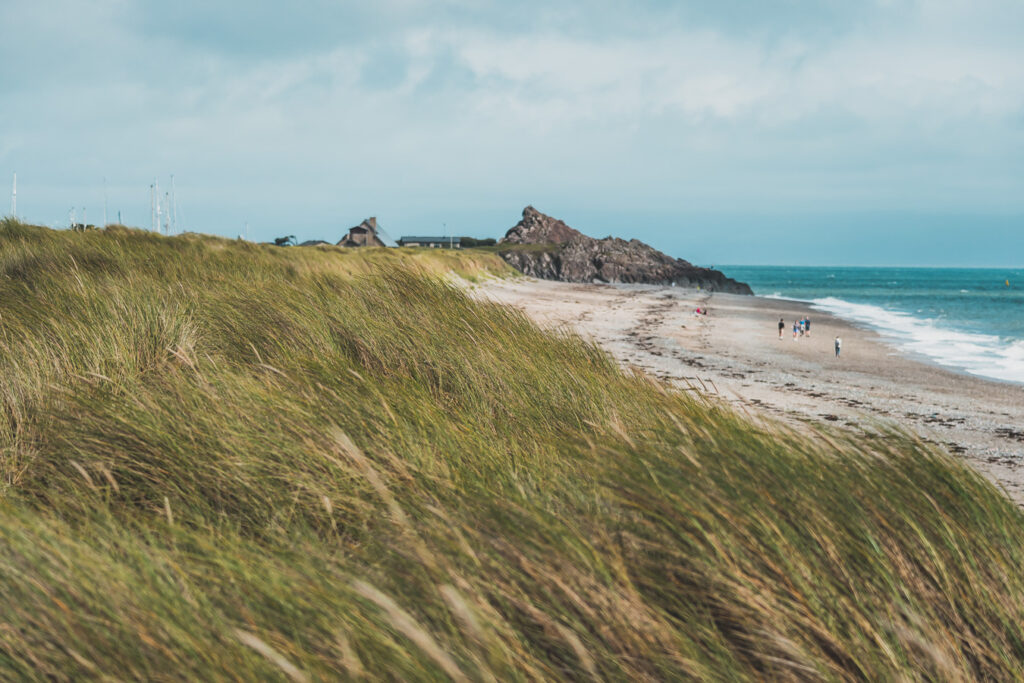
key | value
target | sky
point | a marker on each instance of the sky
(799, 132)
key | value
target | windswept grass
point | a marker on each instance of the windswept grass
(226, 461)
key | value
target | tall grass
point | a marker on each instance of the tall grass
(226, 461)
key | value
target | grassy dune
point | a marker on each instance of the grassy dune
(227, 461)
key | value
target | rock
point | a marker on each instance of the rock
(544, 247)
(538, 228)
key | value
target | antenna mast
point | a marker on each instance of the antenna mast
(156, 185)
(174, 208)
(152, 207)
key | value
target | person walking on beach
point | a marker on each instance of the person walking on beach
(782, 326)
(796, 330)
(807, 326)
(839, 345)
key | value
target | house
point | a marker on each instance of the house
(367, 234)
(432, 242)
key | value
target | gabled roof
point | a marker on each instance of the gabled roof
(385, 238)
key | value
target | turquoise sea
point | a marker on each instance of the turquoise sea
(969, 319)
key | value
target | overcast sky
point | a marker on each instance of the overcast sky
(790, 132)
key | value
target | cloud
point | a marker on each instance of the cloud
(404, 103)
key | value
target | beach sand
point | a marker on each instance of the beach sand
(735, 351)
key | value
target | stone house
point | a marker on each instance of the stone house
(366, 234)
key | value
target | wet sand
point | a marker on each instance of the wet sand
(735, 351)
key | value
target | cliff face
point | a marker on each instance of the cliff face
(571, 256)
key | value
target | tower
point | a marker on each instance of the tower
(156, 193)
(174, 208)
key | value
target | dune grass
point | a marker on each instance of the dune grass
(223, 461)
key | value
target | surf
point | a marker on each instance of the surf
(984, 355)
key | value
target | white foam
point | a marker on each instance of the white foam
(985, 355)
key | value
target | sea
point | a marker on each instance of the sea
(967, 319)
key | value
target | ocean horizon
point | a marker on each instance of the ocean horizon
(966, 319)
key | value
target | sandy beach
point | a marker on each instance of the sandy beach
(735, 351)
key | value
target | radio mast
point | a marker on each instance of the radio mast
(156, 185)
(152, 207)
(174, 208)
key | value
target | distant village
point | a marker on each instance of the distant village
(369, 234)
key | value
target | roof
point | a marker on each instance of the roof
(430, 239)
(385, 238)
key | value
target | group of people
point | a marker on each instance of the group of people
(802, 328)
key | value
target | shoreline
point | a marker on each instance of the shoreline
(736, 347)
(893, 342)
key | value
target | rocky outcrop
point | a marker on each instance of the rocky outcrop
(543, 247)
(538, 228)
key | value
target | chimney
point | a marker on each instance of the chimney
(372, 220)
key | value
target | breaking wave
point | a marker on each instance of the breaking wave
(985, 355)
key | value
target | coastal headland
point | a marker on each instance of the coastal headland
(734, 351)
(545, 247)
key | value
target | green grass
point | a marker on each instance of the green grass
(223, 461)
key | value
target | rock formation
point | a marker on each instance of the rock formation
(543, 247)
(538, 228)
